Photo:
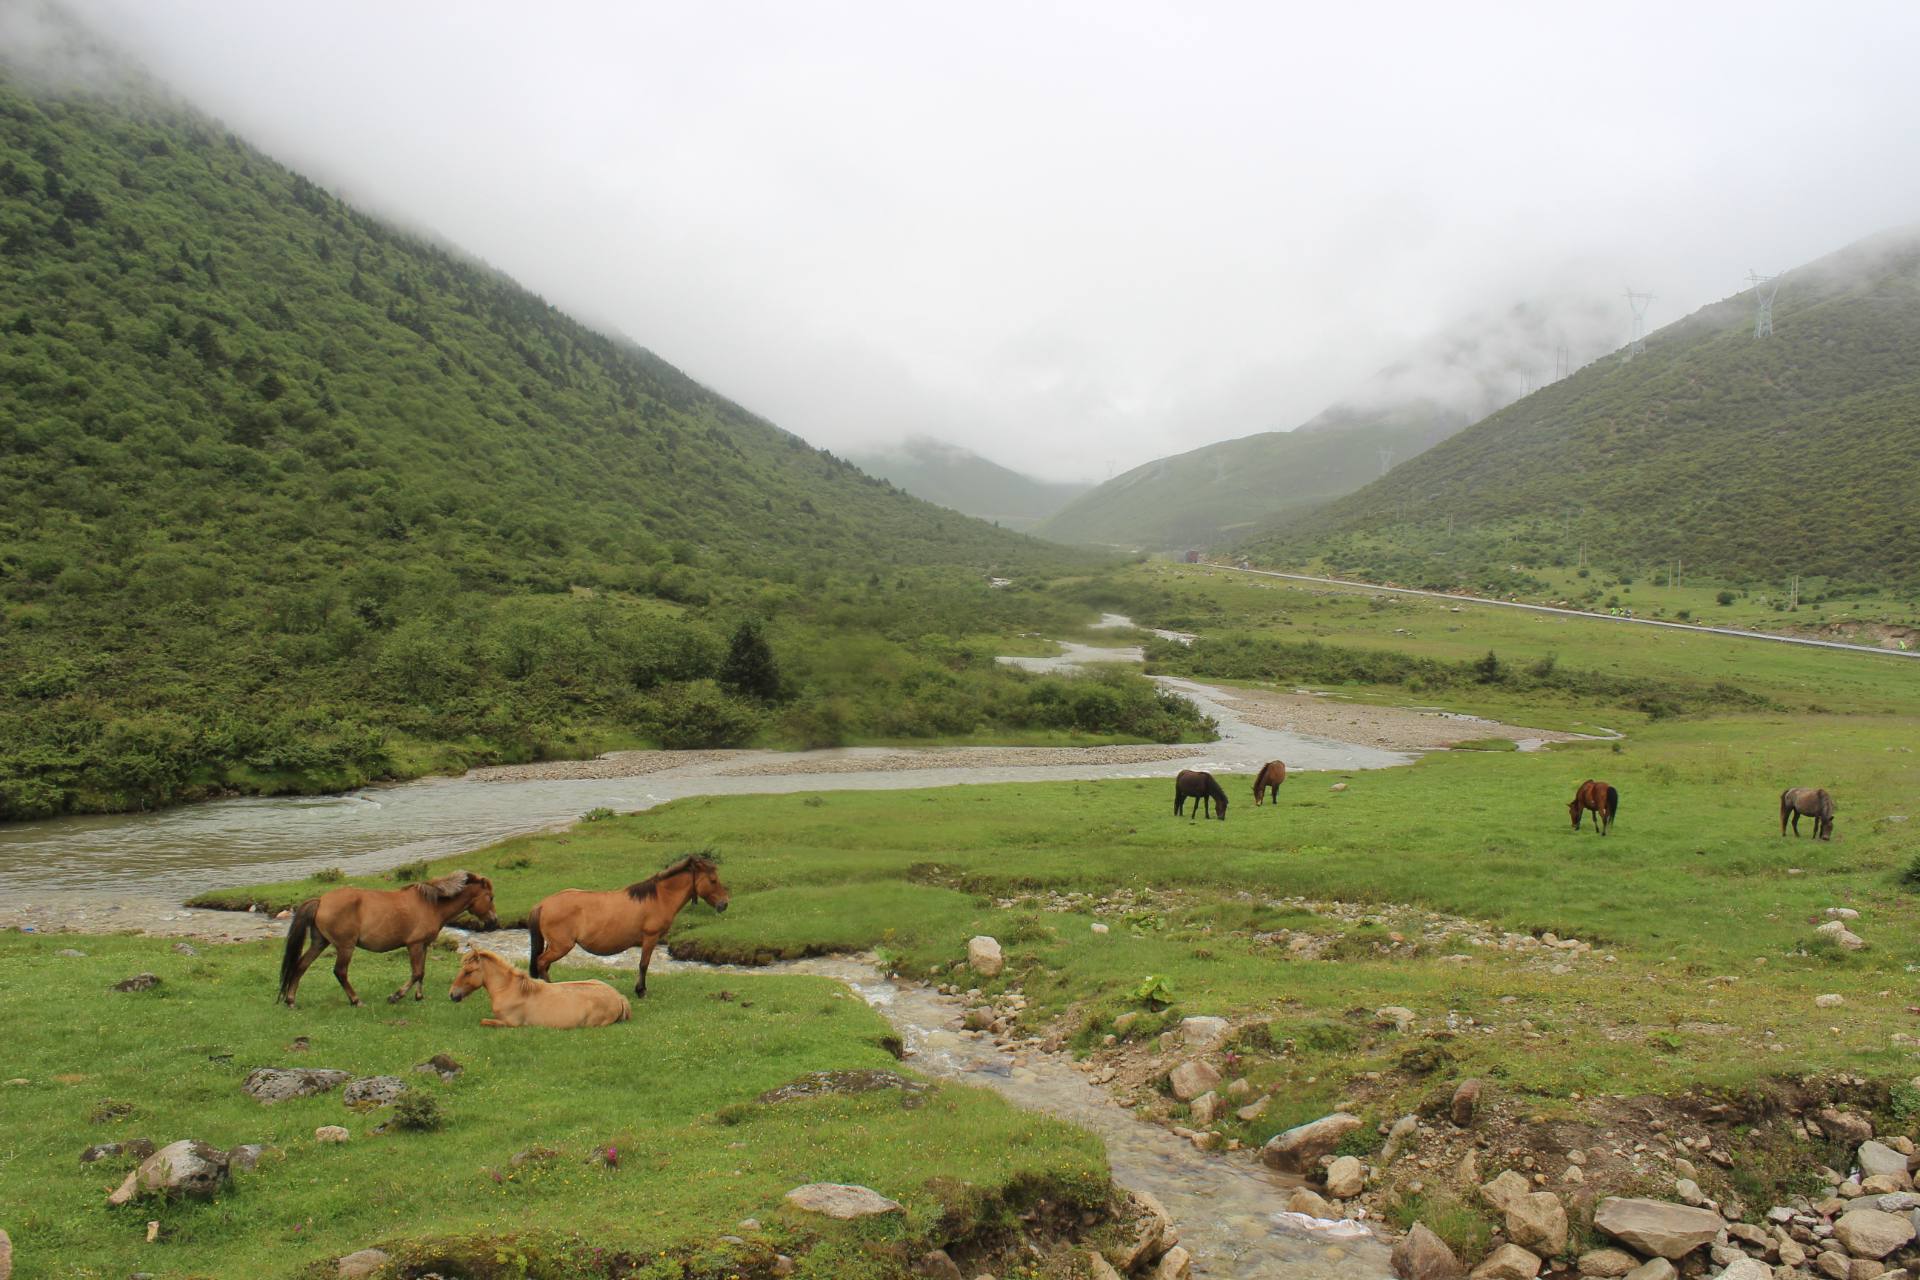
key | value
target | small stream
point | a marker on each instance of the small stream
(1227, 1206)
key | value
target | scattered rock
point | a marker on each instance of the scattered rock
(1843, 1126)
(1338, 786)
(843, 1200)
(330, 1133)
(1508, 1262)
(1299, 1149)
(1403, 1132)
(441, 1065)
(1153, 1232)
(1841, 935)
(1747, 1269)
(1842, 913)
(1253, 1110)
(1607, 1264)
(1207, 1108)
(138, 982)
(1538, 1222)
(185, 949)
(245, 1158)
(71, 954)
(1872, 1233)
(1504, 1190)
(357, 1266)
(1203, 1033)
(1422, 1255)
(1346, 1178)
(374, 1091)
(1465, 1098)
(1192, 1078)
(1828, 1001)
(985, 959)
(1124, 1023)
(1098, 929)
(820, 1084)
(184, 1168)
(1878, 1157)
(134, 1149)
(938, 1264)
(278, 1084)
(6, 1255)
(1656, 1227)
(1100, 1269)
(1689, 1192)
(1394, 1016)
(1834, 1265)
(1654, 1269)
(1175, 1264)
(1310, 1202)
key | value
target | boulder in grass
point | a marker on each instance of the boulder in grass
(1191, 1079)
(180, 1169)
(1298, 1150)
(840, 1200)
(279, 1084)
(984, 956)
(1422, 1255)
(1508, 1262)
(358, 1266)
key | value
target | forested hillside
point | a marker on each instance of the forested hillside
(1751, 459)
(964, 481)
(292, 499)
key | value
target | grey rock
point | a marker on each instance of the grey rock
(984, 956)
(1872, 1233)
(1346, 1178)
(132, 1149)
(1191, 1079)
(441, 1065)
(1465, 1099)
(358, 1266)
(1843, 1126)
(1747, 1269)
(1403, 1131)
(185, 949)
(1299, 1149)
(1607, 1264)
(278, 1084)
(1207, 1108)
(937, 1264)
(6, 1255)
(1152, 1232)
(1203, 1033)
(1175, 1264)
(1653, 1269)
(1505, 1189)
(1312, 1203)
(1655, 1226)
(138, 982)
(245, 1158)
(373, 1091)
(1508, 1262)
(1834, 1265)
(1878, 1158)
(71, 954)
(1422, 1255)
(179, 1169)
(1538, 1222)
(841, 1200)
(331, 1133)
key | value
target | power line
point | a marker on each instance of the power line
(1638, 301)
(1764, 289)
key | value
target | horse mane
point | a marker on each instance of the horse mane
(447, 886)
(695, 862)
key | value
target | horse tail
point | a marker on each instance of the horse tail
(536, 942)
(297, 931)
(1613, 802)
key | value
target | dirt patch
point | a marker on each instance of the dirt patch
(1391, 728)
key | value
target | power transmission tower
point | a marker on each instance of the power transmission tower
(1638, 301)
(1764, 289)
(1562, 362)
(1386, 458)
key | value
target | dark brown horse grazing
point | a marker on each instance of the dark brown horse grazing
(1268, 780)
(608, 923)
(1599, 797)
(381, 920)
(1206, 794)
(1811, 802)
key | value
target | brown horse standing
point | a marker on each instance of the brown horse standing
(381, 920)
(608, 923)
(1201, 788)
(1599, 797)
(1810, 802)
(1267, 781)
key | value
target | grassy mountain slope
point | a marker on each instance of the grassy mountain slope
(289, 500)
(1749, 458)
(964, 481)
(1220, 494)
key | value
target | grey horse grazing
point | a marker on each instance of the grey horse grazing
(1812, 802)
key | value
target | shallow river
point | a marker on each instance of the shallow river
(178, 852)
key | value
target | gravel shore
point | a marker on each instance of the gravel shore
(1392, 728)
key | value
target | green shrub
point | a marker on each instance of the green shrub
(418, 1110)
(330, 875)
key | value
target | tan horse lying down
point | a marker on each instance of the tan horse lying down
(519, 1001)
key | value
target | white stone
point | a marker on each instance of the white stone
(841, 1200)
(1203, 1032)
(1191, 1079)
(1346, 1178)
(984, 958)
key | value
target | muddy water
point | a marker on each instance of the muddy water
(1226, 1206)
(74, 864)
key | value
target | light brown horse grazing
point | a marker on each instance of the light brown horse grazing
(1599, 797)
(1811, 802)
(381, 920)
(1268, 780)
(608, 923)
(519, 1001)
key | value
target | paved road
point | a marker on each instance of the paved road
(1580, 613)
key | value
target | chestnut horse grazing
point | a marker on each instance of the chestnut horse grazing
(519, 1001)
(1192, 784)
(1599, 797)
(381, 920)
(1811, 802)
(608, 923)
(1267, 781)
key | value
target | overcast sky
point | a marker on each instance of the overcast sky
(1073, 236)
